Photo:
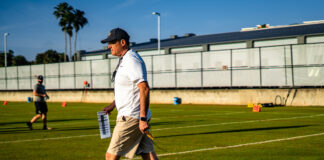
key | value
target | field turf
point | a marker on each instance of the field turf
(188, 132)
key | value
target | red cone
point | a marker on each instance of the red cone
(63, 104)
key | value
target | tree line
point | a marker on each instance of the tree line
(71, 21)
(50, 56)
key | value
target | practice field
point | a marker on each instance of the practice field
(188, 132)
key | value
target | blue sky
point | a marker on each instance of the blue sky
(34, 29)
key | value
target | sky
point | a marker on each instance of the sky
(33, 28)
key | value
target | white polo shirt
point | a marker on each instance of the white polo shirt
(131, 72)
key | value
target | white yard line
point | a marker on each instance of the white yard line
(204, 125)
(241, 145)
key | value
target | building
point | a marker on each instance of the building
(259, 36)
(254, 65)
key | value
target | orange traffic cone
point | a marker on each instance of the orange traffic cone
(256, 108)
(63, 104)
(5, 103)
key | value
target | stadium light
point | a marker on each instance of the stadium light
(159, 31)
(5, 47)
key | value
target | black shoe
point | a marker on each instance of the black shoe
(29, 125)
(45, 128)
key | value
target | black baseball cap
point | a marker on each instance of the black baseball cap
(116, 34)
(40, 77)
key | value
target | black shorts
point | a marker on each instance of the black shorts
(41, 107)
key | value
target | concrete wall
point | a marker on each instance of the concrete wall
(303, 97)
(297, 97)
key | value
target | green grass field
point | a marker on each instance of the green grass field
(188, 132)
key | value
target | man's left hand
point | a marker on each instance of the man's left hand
(143, 125)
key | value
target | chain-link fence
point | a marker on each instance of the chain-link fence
(275, 66)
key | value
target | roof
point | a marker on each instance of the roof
(269, 33)
(96, 52)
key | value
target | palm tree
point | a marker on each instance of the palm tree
(78, 22)
(69, 30)
(61, 12)
(63, 25)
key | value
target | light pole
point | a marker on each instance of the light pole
(159, 31)
(5, 47)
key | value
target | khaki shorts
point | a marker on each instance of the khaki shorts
(127, 139)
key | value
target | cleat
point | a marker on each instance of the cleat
(47, 128)
(29, 125)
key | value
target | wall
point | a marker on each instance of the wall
(303, 97)
(275, 66)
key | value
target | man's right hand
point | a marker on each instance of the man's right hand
(109, 108)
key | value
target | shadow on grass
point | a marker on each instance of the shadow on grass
(13, 130)
(55, 120)
(236, 130)
(26, 130)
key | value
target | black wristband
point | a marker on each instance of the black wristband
(143, 119)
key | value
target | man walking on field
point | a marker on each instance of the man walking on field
(131, 100)
(40, 104)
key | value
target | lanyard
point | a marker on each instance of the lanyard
(115, 72)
